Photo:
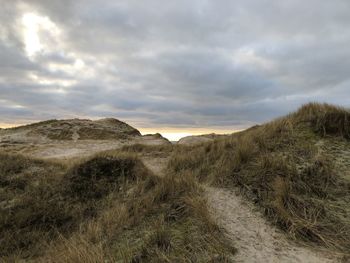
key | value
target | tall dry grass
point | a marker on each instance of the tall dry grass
(280, 168)
(105, 208)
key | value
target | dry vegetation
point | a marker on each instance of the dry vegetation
(153, 150)
(280, 167)
(110, 207)
(33, 125)
(104, 129)
(107, 207)
(99, 134)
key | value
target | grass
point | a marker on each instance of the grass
(280, 168)
(60, 135)
(99, 134)
(34, 125)
(27, 216)
(149, 150)
(106, 207)
(106, 129)
(326, 119)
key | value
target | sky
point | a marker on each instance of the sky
(178, 67)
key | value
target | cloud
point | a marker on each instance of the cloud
(152, 63)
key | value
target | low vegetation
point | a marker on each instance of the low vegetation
(33, 125)
(282, 167)
(154, 150)
(99, 134)
(107, 207)
(104, 129)
(325, 119)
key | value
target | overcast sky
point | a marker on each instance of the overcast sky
(181, 64)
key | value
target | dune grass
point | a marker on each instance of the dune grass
(280, 168)
(325, 119)
(162, 150)
(87, 133)
(106, 207)
(33, 125)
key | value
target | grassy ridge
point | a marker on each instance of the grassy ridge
(281, 168)
(107, 207)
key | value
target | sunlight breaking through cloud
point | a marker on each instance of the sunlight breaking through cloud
(35, 26)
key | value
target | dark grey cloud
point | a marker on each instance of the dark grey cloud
(182, 63)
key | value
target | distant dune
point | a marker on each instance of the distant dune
(73, 138)
(197, 139)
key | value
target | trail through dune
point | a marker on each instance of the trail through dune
(255, 239)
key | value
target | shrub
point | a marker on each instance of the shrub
(97, 177)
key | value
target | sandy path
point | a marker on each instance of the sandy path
(255, 239)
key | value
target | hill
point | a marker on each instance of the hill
(295, 169)
(74, 129)
(72, 138)
(198, 139)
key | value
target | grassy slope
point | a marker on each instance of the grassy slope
(285, 167)
(108, 207)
